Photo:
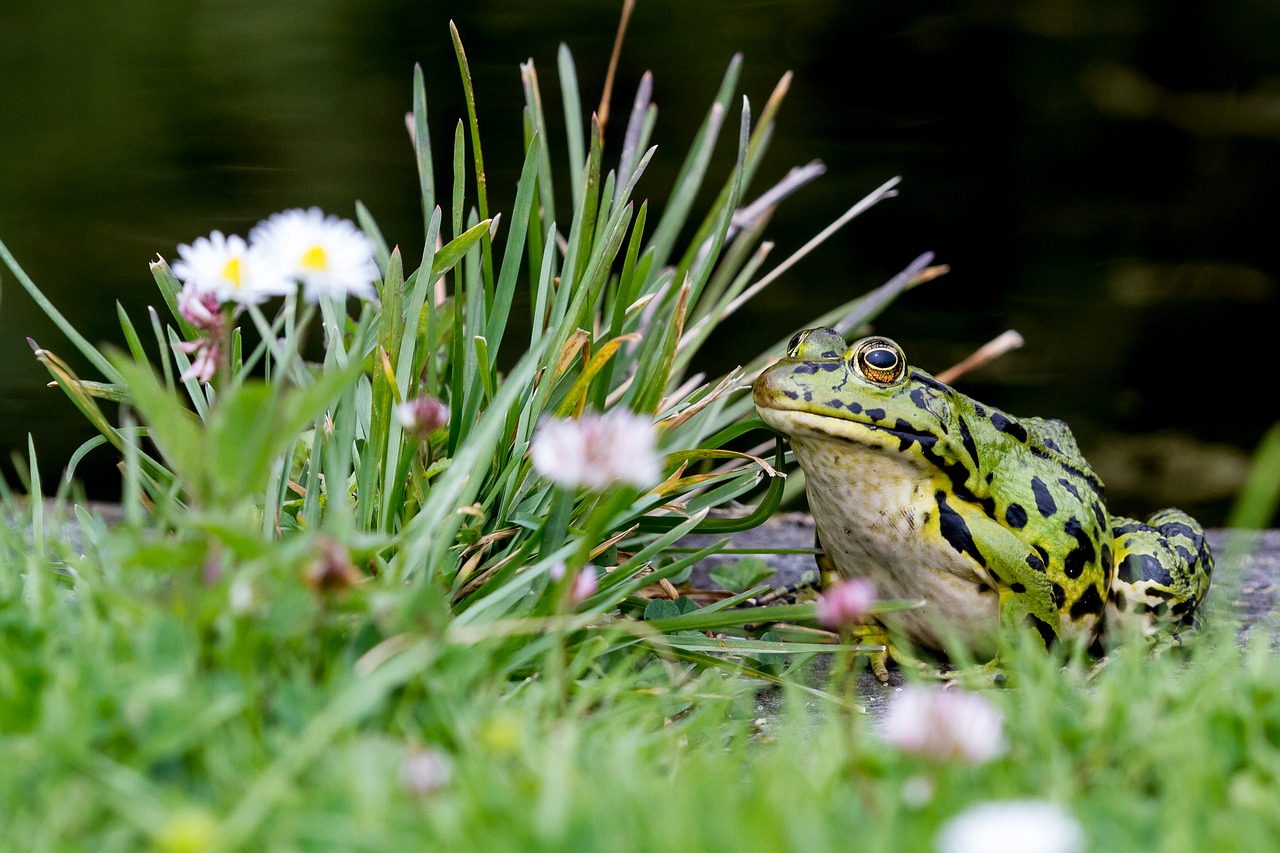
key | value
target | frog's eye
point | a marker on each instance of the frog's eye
(879, 360)
(816, 344)
(794, 347)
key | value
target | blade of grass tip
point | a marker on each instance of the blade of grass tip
(628, 6)
(381, 252)
(631, 139)
(693, 170)
(169, 289)
(422, 148)
(885, 190)
(131, 338)
(477, 155)
(512, 257)
(88, 350)
(533, 98)
(36, 500)
(79, 454)
(70, 385)
(488, 382)
(448, 255)
(572, 120)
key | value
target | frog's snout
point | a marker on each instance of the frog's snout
(765, 392)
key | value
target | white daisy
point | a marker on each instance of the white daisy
(227, 268)
(330, 256)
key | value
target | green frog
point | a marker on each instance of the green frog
(997, 522)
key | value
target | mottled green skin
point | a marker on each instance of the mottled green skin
(996, 522)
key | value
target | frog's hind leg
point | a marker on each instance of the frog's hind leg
(1162, 571)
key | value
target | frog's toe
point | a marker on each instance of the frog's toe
(989, 674)
(879, 664)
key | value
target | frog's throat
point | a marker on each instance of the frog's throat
(875, 436)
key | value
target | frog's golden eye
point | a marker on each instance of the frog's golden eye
(879, 360)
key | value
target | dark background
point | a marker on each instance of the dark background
(1100, 176)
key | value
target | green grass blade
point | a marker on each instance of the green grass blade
(477, 155)
(572, 120)
(533, 99)
(422, 148)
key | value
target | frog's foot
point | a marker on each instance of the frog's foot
(874, 643)
(989, 674)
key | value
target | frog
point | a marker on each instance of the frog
(996, 522)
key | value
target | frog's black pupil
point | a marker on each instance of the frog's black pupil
(881, 358)
(795, 343)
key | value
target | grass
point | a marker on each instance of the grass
(314, 631)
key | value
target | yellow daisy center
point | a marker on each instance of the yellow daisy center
(315, 259)
(231, 271)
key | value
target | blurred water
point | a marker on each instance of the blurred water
(1099, 175)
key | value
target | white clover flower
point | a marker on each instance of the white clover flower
(944, 725)
(330, 256)
(846, 603)
(598, 451)
(1013, 826)
(228, 269)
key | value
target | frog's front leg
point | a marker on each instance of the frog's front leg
(1163, 570)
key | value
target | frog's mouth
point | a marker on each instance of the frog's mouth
(898, 437)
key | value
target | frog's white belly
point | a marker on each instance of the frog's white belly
(877, 515)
